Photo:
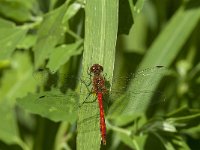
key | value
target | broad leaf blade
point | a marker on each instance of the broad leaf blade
(49, 34)
(9, 38)
(62, 54)
(53, 105)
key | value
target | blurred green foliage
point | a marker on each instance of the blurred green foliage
(50, 34)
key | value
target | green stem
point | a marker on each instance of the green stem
(118, 129)
(60, 135)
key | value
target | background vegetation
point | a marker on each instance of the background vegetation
(123, 36)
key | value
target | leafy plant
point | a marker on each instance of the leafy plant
(47, 48)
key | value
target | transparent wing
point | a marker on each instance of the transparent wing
(125, 98)
(67, 107)
(122, 83)
(48, 80)
(137, 96)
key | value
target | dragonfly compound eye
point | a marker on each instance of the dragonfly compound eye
(96, 69)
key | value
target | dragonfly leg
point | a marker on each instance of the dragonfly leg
(87, 85)
(88, 72)
(104, 75)
(85, 100)
(84, 82)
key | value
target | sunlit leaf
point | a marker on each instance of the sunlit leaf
(49, 34)
(15, 10)
(9, 38)
(62, 54)
(52, 105)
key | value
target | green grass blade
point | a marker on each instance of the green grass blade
(169, 43)
(165, 49)
(99, 47)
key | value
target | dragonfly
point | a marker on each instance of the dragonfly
(100, 89)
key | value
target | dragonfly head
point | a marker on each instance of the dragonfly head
(96, 69)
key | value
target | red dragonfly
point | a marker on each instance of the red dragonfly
(99, 88)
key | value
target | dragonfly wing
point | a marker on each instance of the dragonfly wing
(135, 103)
(44, 77)
(139, 78)
(137, 97)
(52, 104)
